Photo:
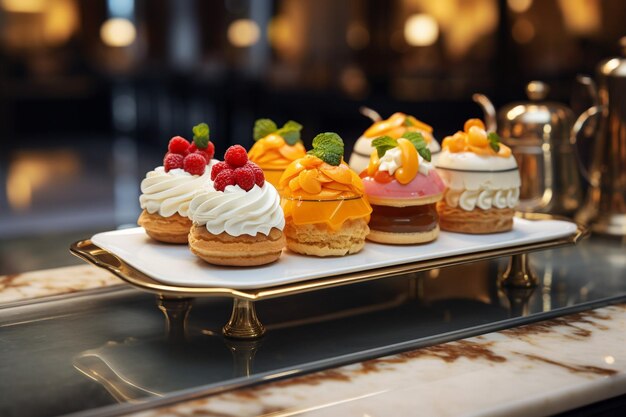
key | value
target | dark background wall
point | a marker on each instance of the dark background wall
(92, 90)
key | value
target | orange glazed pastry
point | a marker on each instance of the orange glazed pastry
(395, 127)
(326, 213)
(275, 148)
(482, 182)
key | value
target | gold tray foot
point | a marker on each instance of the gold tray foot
(518, 273)
(176, 311)
(243, 352)
(518, 300)
(243, 323)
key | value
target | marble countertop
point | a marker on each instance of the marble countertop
(57, 281)
(534, 370)
(538, 369)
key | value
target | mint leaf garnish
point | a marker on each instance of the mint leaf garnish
(328, 147)
(292, 125)
(263, 127)
(290, 132)
(201, 134)
(420, 144)
(414, 137)
(383, 144)
(494, 141)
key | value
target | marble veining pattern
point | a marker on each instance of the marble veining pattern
(56, 281)
(533, 370)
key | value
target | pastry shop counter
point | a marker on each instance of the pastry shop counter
(53, 282)
(75, 340)
(534, 370)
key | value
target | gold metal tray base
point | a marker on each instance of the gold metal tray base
(244, 323)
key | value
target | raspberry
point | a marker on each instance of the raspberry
(224, 179)
(204, 154)
(245, 177)
(192, 148)
(210, 149)
(194, 164)
(259, 176)
(236, 156)
(217, 168)
(178, 145)
(172, 161)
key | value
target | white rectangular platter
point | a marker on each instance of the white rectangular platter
(176, 265)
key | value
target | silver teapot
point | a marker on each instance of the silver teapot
(538, 133)
(605, 205)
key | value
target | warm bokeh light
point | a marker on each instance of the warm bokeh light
(118, 32)
(60, 22)
(581, 17)
(462, 23)
(523, 31)
(421, 30)
(36, 24)
(32, 170)
(610, 360)
(353, 81)
(357, 36)
(24, 6)
(278, 31)
(19, 192)
(519, 6)
(243, 33)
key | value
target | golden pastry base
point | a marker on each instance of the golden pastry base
(244, 323)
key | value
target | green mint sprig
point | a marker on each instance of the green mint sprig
(201, 133)
(290, 130)
(420, 144)
(384, 143)
(263, 127)
(494, 141)
(328, 147)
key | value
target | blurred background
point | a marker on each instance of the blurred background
(91, 91)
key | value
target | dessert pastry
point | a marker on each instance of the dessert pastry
(240, 222)
(482, 182)
(395, 127)
(167, 190)
(326, 213)
(403, 188)
(275, 148)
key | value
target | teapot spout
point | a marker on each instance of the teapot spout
(488, 109)
(592, 88)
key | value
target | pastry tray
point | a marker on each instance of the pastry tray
(172, 270)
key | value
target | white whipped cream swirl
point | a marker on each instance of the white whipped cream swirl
(238, 212)
(167, 193)
(484, 199)
(392, 160)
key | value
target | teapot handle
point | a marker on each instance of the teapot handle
(573, 139)
(592, 91)
(370, 113)
(488, 109)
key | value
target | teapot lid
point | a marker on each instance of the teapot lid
(614, 67)
(536, 118)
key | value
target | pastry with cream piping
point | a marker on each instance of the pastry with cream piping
(403, 188)
(326, 213)
(240, 222)
(275, 148)
(482, 182)
(395, 127)
(167, 190)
